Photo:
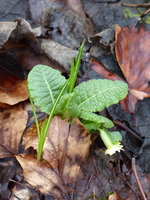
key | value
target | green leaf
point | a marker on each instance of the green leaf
(92, 117)
(95, 95)
(75, 64)
(115, 136)
(45, 85)
(61, 107)
(91, 126)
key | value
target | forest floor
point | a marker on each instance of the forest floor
(74, 165)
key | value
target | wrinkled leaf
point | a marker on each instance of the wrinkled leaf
(12, 124)
(95, 95)
(92, 117)
(45, 85)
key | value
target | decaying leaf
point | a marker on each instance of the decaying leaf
(12, 124)
(75, 5)
(6, 29)
(8, 169)
(53, 49)
(114, 196)
(12, 90)
(132, 53)
(66, 147)
(21, 192)
(99, 68)
(40, 176)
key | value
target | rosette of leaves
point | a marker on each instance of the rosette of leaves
(53, 94)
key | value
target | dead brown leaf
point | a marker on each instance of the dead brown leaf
(12, 124)
(12, 90)
(40, 176)
(100, 69)
(66, 146)
(132, 53)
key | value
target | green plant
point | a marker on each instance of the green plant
(129, 13)
(53, 94)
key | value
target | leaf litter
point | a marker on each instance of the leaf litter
(12, 125)
(91, 177)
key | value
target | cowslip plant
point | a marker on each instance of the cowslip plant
(53, 94)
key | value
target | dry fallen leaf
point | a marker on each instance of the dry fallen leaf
(53, 49)
(114, 196)
(100, 69)
(132, 53)
(12, 124)
(6, 29)
(75, 5)
(40, 176)
(12, 90)
(66, 148)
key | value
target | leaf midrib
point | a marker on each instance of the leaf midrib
(49, 88)
(95, 95)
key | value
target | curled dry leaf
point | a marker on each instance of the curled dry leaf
(12, 90)
(66, 147)
(12, 124)
(132, 53)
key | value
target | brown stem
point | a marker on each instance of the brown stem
(145, 13)
(118, 123)
(137, 179)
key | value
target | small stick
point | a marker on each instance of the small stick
(145, 5)
(128, 130)
(137, 178)
(145, 13)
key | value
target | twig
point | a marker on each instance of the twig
(137, 179)
(145, 5)
(128, 130)
(145, 13)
